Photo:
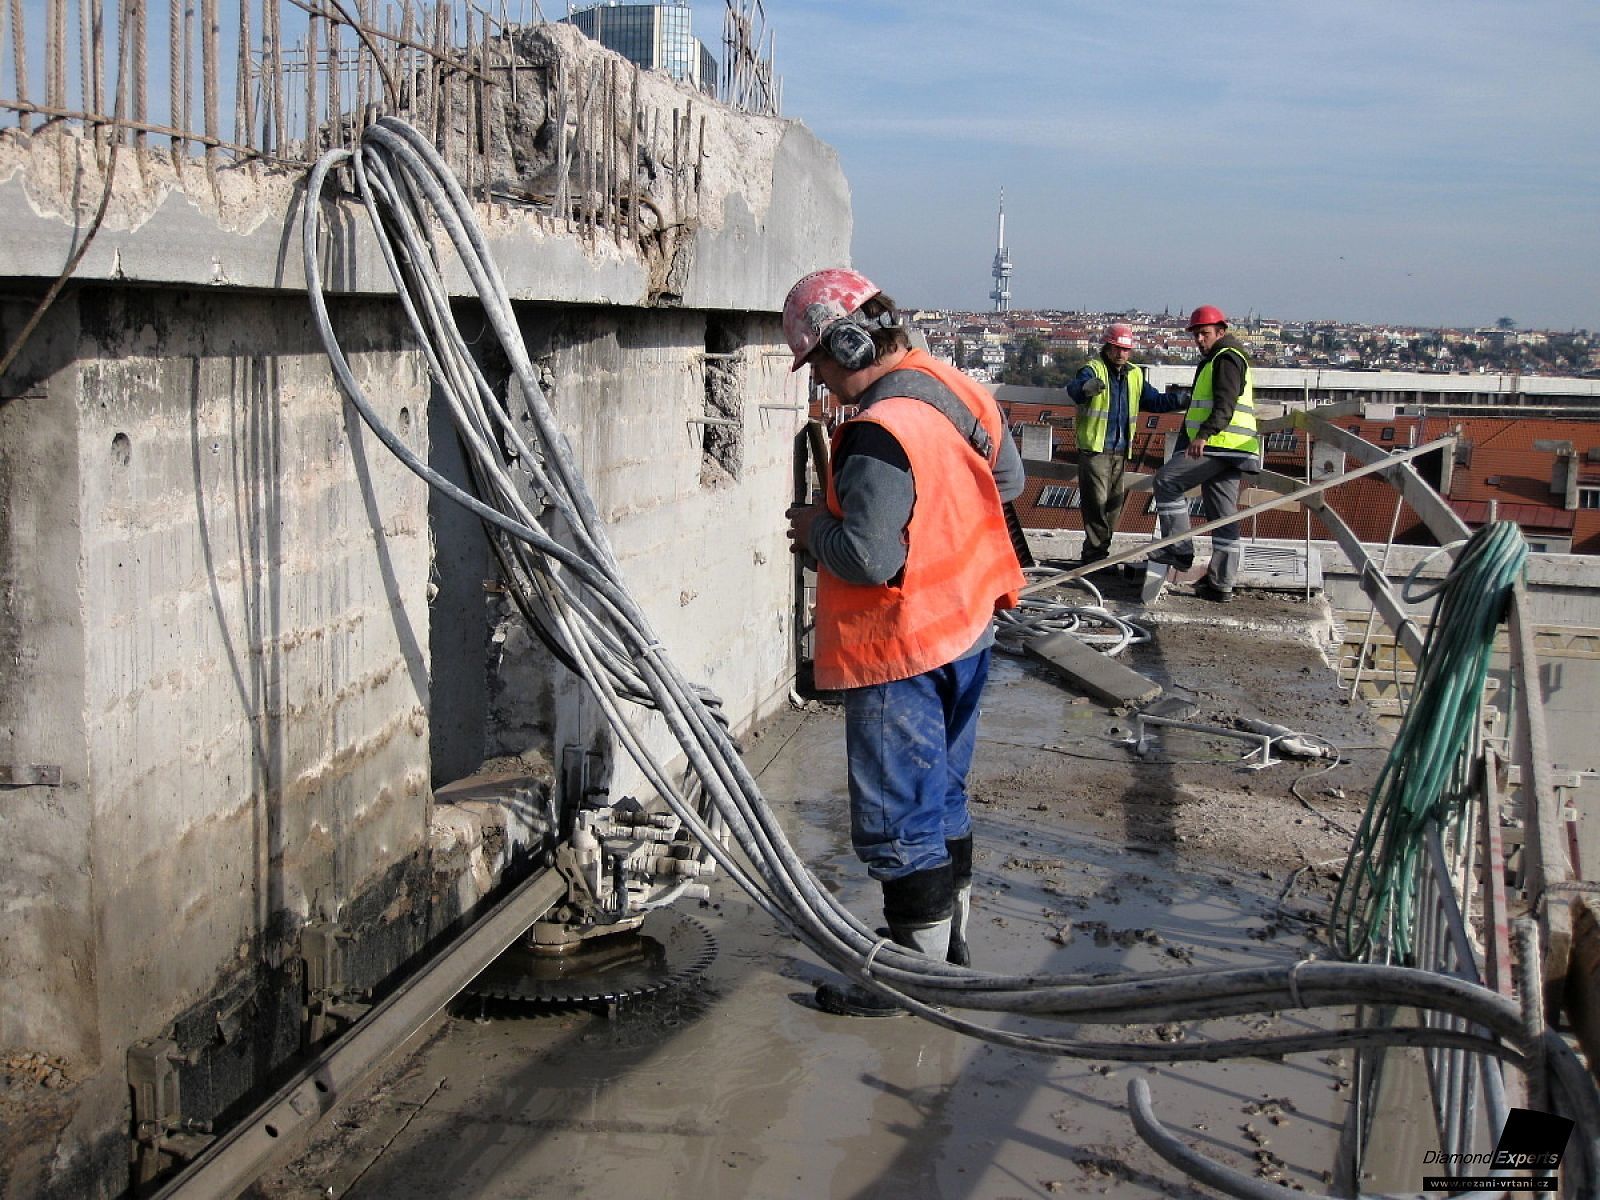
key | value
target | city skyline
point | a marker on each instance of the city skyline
(1434, 164)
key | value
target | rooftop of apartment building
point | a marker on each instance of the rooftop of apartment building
(1541, 472)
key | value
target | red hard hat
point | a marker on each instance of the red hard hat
(1118, 335)
(818, 302)
(1207, 314)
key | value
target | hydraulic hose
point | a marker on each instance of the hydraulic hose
(574, 592)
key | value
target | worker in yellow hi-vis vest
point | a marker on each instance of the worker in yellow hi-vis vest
(1218, 447)
(1108, 390)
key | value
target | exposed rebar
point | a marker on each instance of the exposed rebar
(19, 58)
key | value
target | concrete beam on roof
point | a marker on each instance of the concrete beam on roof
(1097, 675)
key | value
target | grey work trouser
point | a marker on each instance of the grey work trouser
(1218, 480)
(1100, 495)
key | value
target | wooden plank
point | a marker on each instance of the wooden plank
(1039, 469)
(1298, 418)
(1095, 674)
(1021, 393)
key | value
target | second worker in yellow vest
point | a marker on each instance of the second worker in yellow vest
(1108, 390)
(1218, 447)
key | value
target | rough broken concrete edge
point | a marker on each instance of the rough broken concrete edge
(745, 263)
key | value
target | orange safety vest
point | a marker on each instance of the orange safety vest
(960, 567)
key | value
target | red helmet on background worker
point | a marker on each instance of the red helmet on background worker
(1118, 334)
(820, 301)
(1207, 314)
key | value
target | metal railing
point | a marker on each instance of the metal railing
(1469, 1092)
(1464, 909)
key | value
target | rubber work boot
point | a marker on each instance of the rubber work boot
(1207, 590)
(1169, 556)
(917, 909)
(858, 1000)
(957, 951)
(960, 852)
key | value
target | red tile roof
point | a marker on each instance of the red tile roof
(1498, 460)
(1539, 517)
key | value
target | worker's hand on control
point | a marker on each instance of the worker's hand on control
(1092, 389)
(1197, 448)
(801, 517)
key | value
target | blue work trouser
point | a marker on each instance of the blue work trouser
(909, 745)
(1218, 479)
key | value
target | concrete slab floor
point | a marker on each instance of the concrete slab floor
(1087, 860)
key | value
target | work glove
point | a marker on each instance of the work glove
(1092, 389)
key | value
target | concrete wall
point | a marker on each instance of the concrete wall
(254, 570)
(699, 543)
(48, 936)
(252, 642)
(223, 621)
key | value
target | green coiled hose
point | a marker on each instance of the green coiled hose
(1428, 772)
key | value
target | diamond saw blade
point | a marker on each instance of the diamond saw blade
(667, 947)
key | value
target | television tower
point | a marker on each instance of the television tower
(1001, 295)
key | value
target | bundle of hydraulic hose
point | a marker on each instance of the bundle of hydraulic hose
(1426, 777)
(574, 591)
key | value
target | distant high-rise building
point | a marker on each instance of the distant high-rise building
(656, 36)
(1001, 295)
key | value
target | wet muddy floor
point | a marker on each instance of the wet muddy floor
(1089, 859)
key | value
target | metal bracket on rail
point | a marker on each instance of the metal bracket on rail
(329, 1003)
(161, 1134)
(578, 768)
(23, 775)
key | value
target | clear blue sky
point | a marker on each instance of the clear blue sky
(1426, 161)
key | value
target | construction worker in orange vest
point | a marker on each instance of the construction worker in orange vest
(913, 560)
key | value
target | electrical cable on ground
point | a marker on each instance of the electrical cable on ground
(578, 597)
(1093, 624)
(1294, 790)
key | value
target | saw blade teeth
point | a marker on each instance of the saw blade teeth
(681, 947)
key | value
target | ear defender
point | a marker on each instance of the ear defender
(850, 345)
